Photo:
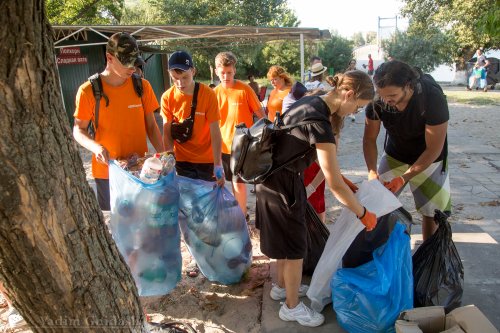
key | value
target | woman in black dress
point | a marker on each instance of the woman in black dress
(281, 199)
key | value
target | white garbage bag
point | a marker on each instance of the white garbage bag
(378, 200)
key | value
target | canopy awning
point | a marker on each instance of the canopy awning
(77, 35)
(165, 37)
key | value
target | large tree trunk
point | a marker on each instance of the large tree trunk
(57, 259)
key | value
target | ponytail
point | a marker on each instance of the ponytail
(334, 80)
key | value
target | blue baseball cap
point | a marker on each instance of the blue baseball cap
(180, 60)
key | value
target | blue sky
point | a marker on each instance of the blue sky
(347, 16)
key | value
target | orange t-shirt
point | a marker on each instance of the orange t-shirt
(275, 102)
(122, 125)
(175, 105)
(237, 105)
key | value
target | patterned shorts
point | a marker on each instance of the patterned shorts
(430, 188)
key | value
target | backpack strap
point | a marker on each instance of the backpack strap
(96, 83)
(137, 82)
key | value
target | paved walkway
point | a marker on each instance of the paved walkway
(474, 162)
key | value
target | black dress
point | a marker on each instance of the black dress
(281, 198)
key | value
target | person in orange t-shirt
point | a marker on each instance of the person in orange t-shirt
(125, 122)
(200, 156)
(282, 83)
(237, 104)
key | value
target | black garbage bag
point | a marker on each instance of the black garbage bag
(438, 272)
(361, 250)
(317, 235)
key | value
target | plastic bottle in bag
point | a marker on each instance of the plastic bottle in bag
(157, 271)
(151, 170)
(168, 162)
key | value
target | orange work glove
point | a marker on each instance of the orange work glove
(351, 185)
(395, 185)
(368, 219)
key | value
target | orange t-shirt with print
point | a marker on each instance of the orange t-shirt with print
(275, 102)
(237, 105)
(176, 106)
(122, 125)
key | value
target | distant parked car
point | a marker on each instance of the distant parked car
(493, 73)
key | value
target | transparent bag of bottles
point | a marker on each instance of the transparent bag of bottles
(215, 230)
(144, 225)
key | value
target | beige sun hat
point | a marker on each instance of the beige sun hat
(318, 69)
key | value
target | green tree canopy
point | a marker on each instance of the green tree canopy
(336, 53)
(425, 53)
(459, 20)
(358, 39)
(371, 37)
(210, 12)
(215, 12)
(75, 12)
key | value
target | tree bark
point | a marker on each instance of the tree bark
(57, 259)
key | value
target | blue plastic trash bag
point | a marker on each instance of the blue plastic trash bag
(370, 297)
(144, 225)
(215, 230)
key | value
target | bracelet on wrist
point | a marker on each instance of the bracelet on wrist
(364, 213)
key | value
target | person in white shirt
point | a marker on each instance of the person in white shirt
(317, 72)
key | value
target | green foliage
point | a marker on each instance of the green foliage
(466, 25)
(357, 39)
(336, 53)
(211, 12)
(285, 54)
(216, 12)
(74, 12)
(371, 37)
(489, 23)
(417, 51)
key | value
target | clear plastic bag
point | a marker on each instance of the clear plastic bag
(215, 230)
(377, 199)
(144, 225)
(369, 298)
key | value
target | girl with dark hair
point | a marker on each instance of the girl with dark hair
(281, 198)
(414, 112)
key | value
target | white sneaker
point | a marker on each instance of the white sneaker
(277, 293)
(301, 314)
(14, 318)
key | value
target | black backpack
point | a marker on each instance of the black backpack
(96, 83)
(253, 148)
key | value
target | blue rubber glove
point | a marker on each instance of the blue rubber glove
(218, 172)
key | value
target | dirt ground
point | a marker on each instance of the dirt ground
(212, 307)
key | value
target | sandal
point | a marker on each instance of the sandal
(192, 269)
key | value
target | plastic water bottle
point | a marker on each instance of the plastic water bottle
(168, 162)
(156, 272)
(151, 170)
